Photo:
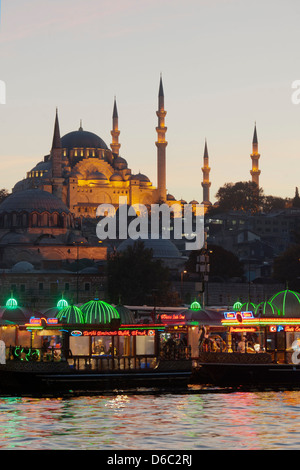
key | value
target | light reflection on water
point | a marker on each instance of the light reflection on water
(263, 420)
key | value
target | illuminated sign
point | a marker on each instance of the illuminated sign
(174, 317)
(76, 333)
(239, 316)
(39, 321)
(242, 329)
(119, 333)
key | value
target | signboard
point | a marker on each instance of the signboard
(117, 333)
(172, 318)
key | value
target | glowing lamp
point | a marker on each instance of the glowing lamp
(11, 303)
(62, 303)
(195, 306)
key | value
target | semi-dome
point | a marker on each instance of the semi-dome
(82, 139)
(266, 309)
(99, 312)
(287, 302)
(116, 177)
(97, 175)
(32, 200)
(70, 314)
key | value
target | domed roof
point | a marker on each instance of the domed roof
(170, 197)
(33, 200)
(42, 166)
(267, 309)
(71, 314)
(126, 315)
(99, 312)
(161, 248)
(287, 302)
(22, 267)
(140, 177)
(82, 139)
(13, 313)
(120, 163)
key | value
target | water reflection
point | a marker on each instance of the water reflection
(264, 420)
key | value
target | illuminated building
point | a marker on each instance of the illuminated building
(84, 172)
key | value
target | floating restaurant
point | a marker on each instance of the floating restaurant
(97, 346)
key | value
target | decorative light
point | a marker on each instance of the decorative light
(237, 305)
(11, 304)
(195, 306)
(62, 303)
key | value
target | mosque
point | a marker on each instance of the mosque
(83, 172)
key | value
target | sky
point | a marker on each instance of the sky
(226, 64)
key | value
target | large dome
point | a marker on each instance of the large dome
(82, 139)
(33, 200)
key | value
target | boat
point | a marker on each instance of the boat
(86, 349)
(260, 347)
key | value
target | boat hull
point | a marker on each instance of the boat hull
(50, 379)
(259, 375)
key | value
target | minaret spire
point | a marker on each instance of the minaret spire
(161, 146)
(206, 183)
(56, 150)
(56, 142)
(255, 172)
(115, 146)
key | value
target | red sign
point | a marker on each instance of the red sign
(119, 333)
(172, 318)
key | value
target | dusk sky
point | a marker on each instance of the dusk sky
(225, 64)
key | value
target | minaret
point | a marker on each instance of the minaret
(161, 147)
(206, 183)
(56, 151)
(115, 146)
(255, 172)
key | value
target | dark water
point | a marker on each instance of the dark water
(239, 420)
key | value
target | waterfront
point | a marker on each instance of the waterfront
(199, 421)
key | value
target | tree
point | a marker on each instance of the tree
(136, 278)
(3, 194)
(286, 267)
(241, 196)
(223, 263)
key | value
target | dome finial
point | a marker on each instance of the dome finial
(80, 128)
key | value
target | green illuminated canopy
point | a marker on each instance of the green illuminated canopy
(266, 309)
(99, 312)
(287, 302)
(248, 307)
(71, 314)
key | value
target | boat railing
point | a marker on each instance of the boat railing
(104, 362)
(175, 352)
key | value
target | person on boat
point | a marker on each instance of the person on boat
(241, 347)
